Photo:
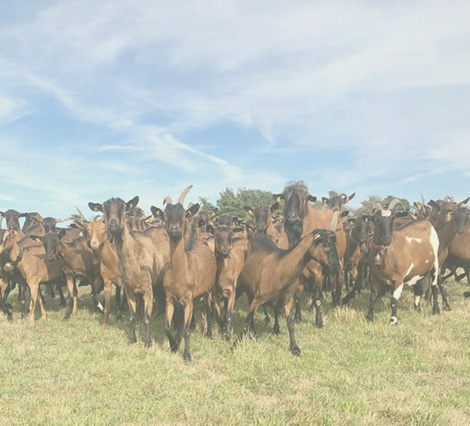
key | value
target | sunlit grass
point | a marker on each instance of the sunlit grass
(350, 372)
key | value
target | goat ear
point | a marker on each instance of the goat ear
(158, 213)
(22, 215)
(192, 210)
(311, 198)
(61, 234)
(401, 214)
(37, 238)
(132, 203)
(275, 206)
(351, 196)
(433, 204)
(277, 197)
(464, 202)
(325, 200)
(248, 209)
(96, 207)
(79, 225)
(238, 229)
(210, 229)
(344, 213)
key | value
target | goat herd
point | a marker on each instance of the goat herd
(178, 255)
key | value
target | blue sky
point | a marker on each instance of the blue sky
(124, 98)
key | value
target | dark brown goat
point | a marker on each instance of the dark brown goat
(142, 257)
(190, 272)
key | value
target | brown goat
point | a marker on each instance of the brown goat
(230, 253)
(142, 257)
(107, 256)
(190, 273)
(32, 267)
(271, 275)
(264, 224)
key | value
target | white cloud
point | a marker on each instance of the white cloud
(370, 86)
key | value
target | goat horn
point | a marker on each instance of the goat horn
(334, 221)
(81, 214)
(422, 199)
(393, 203)
(343, 195)
(377, 206)
(167, 200)
(183, 195)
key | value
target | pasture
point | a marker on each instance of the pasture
(350, 372)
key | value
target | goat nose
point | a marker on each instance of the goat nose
(292, 215)
(113, 223)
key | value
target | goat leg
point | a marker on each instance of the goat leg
(170, 309)
(295, 350)
(188, 315)
(276, 328)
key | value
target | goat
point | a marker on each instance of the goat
(230, 253)
(78, 263)
(271, 275)
(28, 257)
(356, 250)
(264, 224)
(107, 256)
(300, 219)
(141, 258)
(399, 256)
(190, 272)
(337, 202)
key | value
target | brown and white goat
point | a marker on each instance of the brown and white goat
(142, 257)
(190, 272)
(401, 256)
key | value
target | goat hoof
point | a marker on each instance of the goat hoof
(9, 316)
(276, 331)
(267, 320)
(209, 336)
(447, 308)
(298, 320)
(148, 344)
(66, 317)
(436, 311)
(370, 318)
(418, 308)
(227, 337)
(393, 321)
(295, 350)
(131, 340)
(319, 324)
(187, 357)
(466, 294)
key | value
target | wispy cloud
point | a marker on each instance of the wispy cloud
(372, 93)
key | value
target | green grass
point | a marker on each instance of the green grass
(350, 372)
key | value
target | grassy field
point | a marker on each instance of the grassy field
(350, 372)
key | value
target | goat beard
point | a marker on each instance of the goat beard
(294, 232)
